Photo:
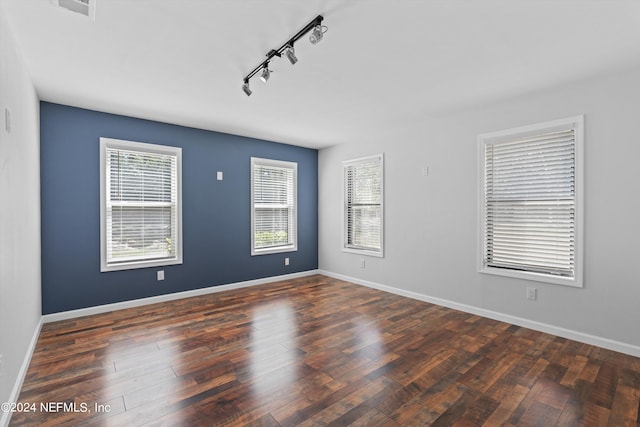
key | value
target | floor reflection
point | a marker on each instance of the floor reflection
(369, 338)
(138, 372)
(273, 349)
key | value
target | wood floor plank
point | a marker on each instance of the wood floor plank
(507, 406)
(318, 351)
(624, 411)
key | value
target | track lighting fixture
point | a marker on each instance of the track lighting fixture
(246, 88)
(317, 33)
(317, 30)
(291, 55)
(266, 73)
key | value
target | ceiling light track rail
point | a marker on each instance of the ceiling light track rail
(317, 30)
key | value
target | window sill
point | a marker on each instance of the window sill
(365, 252)
(139, 264)
(537, 277)
(277, 250)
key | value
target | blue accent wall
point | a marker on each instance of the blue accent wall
(216, 214)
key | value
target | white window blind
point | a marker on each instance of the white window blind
(363, 205)
(141, 209)
(531, 204)
(274, 201)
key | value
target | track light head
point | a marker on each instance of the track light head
(317, 33)
(266, 73)
(246, 88)
(291, 54)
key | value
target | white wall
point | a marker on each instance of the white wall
(20, 310)
(431, 222)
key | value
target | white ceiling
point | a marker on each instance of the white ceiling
(383, 64)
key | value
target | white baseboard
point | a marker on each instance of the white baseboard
(22, 373)
(72, 314)
(607, 343)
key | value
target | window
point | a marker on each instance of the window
(363, 205)
(140, 205)
(531, 204)
(274, 198)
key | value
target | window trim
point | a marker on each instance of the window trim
(106, 143)
(345, 221)
(577, 124)
(291, 247)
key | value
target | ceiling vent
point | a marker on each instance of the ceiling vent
(83, 7)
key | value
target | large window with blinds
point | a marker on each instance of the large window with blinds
(364, 205)
(140, 205)
(274, 206)
(531, 204)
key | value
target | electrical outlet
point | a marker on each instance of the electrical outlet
(160, 274)
(286, 261)
(362, 263)
(532, 294)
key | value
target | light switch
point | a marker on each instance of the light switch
(219, 175)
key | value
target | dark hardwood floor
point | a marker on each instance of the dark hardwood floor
(318, 351)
